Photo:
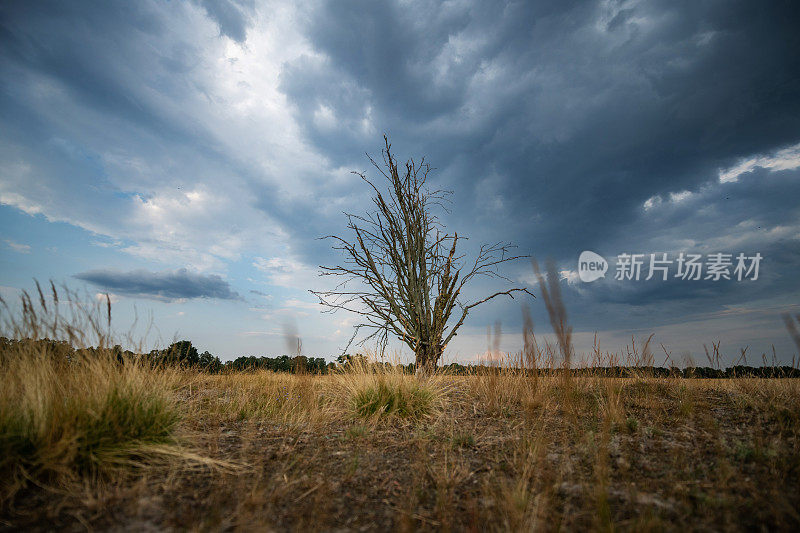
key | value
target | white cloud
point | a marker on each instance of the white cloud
(571, 276)
(300, 304)
(170, 199)
(677, 197)
(786, 159)
(261, 333)
(202, 226)
(324, 118)
(9, 294)
(673, 198)
(652, 202)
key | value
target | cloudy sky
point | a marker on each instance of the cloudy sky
(186, 156)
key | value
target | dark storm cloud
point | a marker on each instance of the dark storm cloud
(390, 53)
(103, 58)
(556, 121)
(165, 285)
(590, 112)
(761, 197)
(88, 50)
(756, 214)
(676, 300)
(100, 101)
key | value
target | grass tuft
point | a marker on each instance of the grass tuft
(71, 415)
(375, 392)
(386, 398)
(88, 416)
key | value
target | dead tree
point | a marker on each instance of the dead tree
(401, 272)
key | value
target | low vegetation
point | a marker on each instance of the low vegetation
(382, 394)
(95, 439)
(63, 419)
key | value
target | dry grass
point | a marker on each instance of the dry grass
(380, 393)
(499, 452)
(259, 396)
(63, 419)
(67, 417)
(91, 443)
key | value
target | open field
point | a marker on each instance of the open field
(385, 451)
(97, 438)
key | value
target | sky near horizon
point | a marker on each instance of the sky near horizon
(186, 156)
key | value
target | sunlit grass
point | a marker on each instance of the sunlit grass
(520, 446)
(374, 392)
(68, 415)
(63, 419)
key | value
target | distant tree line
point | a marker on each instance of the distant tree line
(737, 371)
(184, 354)
(633, 371)
(181, 353)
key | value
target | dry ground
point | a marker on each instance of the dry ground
(496, 452)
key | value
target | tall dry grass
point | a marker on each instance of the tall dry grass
(260, 396)
(87, 416)
(69, 415)
(525, 445)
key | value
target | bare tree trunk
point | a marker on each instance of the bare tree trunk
(427, 356)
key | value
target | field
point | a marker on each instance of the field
(365, 450)
(97, 439)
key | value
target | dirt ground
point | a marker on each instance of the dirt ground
(500, 454)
